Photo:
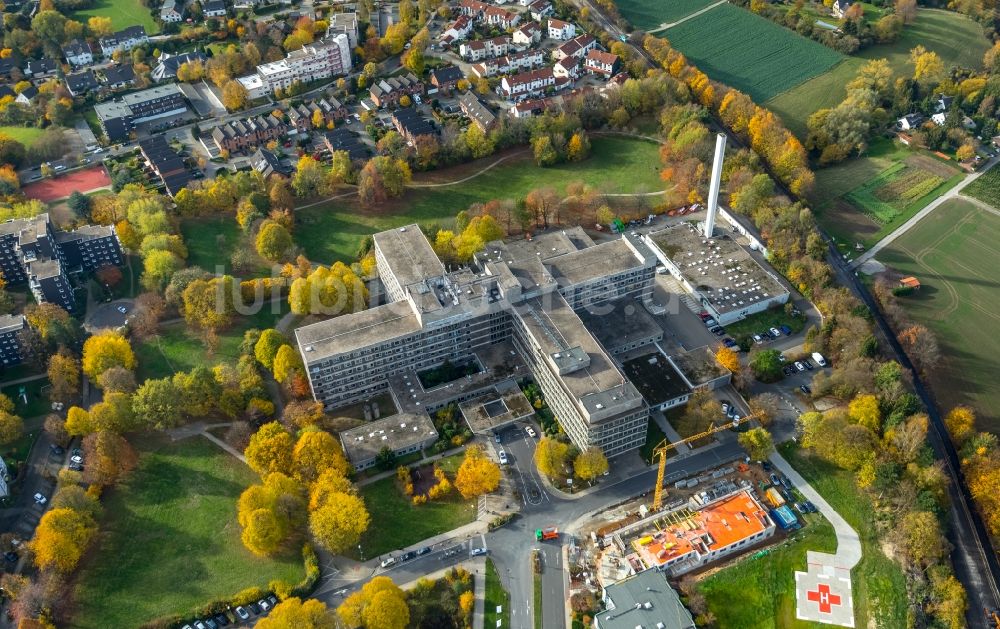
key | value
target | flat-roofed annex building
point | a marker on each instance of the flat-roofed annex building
(527, 291)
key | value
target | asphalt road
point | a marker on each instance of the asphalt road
(510, 547)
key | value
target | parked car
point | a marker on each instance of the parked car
(800, 366)
(211, 624)
(704, 316)
(424, 550)
(497, 437)
(775, 480)
(766, 465)
(475, 552)
(725, 407)
(200, 625)
(530, 431)
(503, 457)
(728, 342)
(254, 608)
(122, 309)
(805, 389)
(222, 620)
(242, 613)
(10, 556)
(57, 450)
(775, 333)
(787, 331)
(40, 499)
(808, 364)
(717, 331)
(388, 561)
(408, 555)
(810, 507)
(265, 605)
(757, 338)
(76, 459)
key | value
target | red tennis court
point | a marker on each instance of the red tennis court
(63, 185)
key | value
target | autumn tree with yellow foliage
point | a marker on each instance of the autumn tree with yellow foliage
(104, 351)
(294, 613)
(477, 475)
(550, 456)
(61, 538)
(380, 604)
(590, 464)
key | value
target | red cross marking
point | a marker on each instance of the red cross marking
(824, 597)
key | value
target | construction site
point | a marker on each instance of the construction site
(706, 521)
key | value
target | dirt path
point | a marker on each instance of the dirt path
(667, 25)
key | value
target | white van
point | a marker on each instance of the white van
(819, 359)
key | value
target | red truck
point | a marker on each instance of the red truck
(546, 534)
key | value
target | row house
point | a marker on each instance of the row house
(78, 53)
(568, 68)
(484, 49)
(125, 39)
(530, 107)
(387, 92)
(540, 9)
(473, 8)
(41, 68)
(501, 18)
(561, 30)
(527, 35)
(477, 111)
(214, 8)
(171, 12)
(302, 117)
(509, 64)
(81, 83)
(343, 139)
(246, 134)
(527, 83)
(600, 62)
(446, 78)
(577, 47)
(457, 30)
(411, 124)
(166, 163)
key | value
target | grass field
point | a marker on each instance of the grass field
(169, 541)
(750, 53)
(123, 13)
(986, 187)
(396, 523)
(879, 585)
(37, 394)
(840, 202)
(649, 14)
(956, 38)
(760, 592)
(495, 596)
(953, 252)
(176, 348)
(333, 231)
(24, 135)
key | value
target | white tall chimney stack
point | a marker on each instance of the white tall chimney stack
(713, 189)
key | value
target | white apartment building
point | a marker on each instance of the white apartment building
(319, 60)
(561, 30)
(485, 49)
(526, 83)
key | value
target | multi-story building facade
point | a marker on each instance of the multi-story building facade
(125, 39)
(11, 352)
(312, 62)
(118, 117)
(387, 92)
(524, 292)
(32, 252)
(600, 62)
(244, 135)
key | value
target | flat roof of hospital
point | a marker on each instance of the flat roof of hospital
(356, 330)
(719, 269)
(395, 432)
(409, 254)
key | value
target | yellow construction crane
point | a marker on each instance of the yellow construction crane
(665, 445)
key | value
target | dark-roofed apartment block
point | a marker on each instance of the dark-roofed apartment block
(166, 163)
(118, 117)
(125, 39)
(411, 124)
(11, 352)
(32, 252)
(243, 135)
(387, 92)
(477, 111)
(343, 139)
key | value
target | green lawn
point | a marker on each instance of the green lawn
(986, 187)
(24, 135)
(879, 584)
(838, 185)
(495, 596)
(956, 38)
(953, 253)
(649, 14)
(176, 348)
(396, 523)
(37, 394)
(334, 230)
(759, 592)
(123, 13)
(750, 53)
(211, 241)
(169, 540)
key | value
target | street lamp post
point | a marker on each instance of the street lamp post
(361, 553)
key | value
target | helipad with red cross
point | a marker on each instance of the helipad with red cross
(824, 595)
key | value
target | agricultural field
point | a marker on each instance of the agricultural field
(896, 183)
(957, 39)
(986, 187)
(123, 13)
(334, 230)
(650, 14)
(750, 53)
(952, 251)
(172, 533)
